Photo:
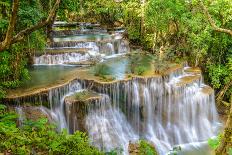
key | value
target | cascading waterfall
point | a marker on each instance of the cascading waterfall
(93, 49)
(96, 42)
(60, 58)
(108, 127)
(56, 100)
(165, 110)
(21, 116)
(157, 109)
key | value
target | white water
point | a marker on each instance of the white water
(157, 110)
(56, 100)
(94, 49)
(108, 127)
(60, 58)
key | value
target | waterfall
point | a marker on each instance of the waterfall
(162, 110)
(108, 127)
(56, 100)
(169, 110)
(21, 115)
(60, 58)
(95, 43)
(177, 109)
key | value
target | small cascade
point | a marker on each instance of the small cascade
(108, 127)
(60, 58)
(167, 111)
(56, 100)
(21, 115)
(97, 42)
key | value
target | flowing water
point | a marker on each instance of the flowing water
(166, 110)
(157, 109)
(96, 45)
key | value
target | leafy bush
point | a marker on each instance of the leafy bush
(39, 138)
(146, 148)
(140, 70)
(214, 142)
(161, 66)
(101, 70)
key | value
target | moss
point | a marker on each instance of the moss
(85, 95)
(145, 148)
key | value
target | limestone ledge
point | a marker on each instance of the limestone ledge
(54, 51)
(83, 97)
(82, 75)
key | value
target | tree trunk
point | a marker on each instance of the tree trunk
(212, 22)
(10, 39)
(222, 93)
(143, 2)
(226, 141)
(11, 27)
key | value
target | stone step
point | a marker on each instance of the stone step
(192, 70)
(77, 32)
(52, 51)
(77, 107)
(207, 90)
(188, 79)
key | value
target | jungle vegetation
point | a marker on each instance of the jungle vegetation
(197, 31)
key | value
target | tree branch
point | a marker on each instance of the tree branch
(22, 34)
(222, 92)
(11, 27)
(212, 22)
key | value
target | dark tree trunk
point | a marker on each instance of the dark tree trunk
(10, 39)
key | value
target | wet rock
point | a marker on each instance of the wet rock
(77, 107)
(140, 148)
(34, 113)
(133, 148)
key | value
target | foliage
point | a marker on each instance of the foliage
(101, 70)
(146, 148)
(217, 74)
(132, 20)
(13, 62)
(214, 142)
(139, 63)
(230, 151)
(140, 70)
(39, 138)
(175, 150)
(83, 95)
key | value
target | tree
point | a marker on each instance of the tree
(212, 22)
(10, 38)
(225, 143)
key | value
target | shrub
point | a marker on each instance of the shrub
(101, 70)
(214, 142)
(40, 138)
(140, 70)
(146, 148)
